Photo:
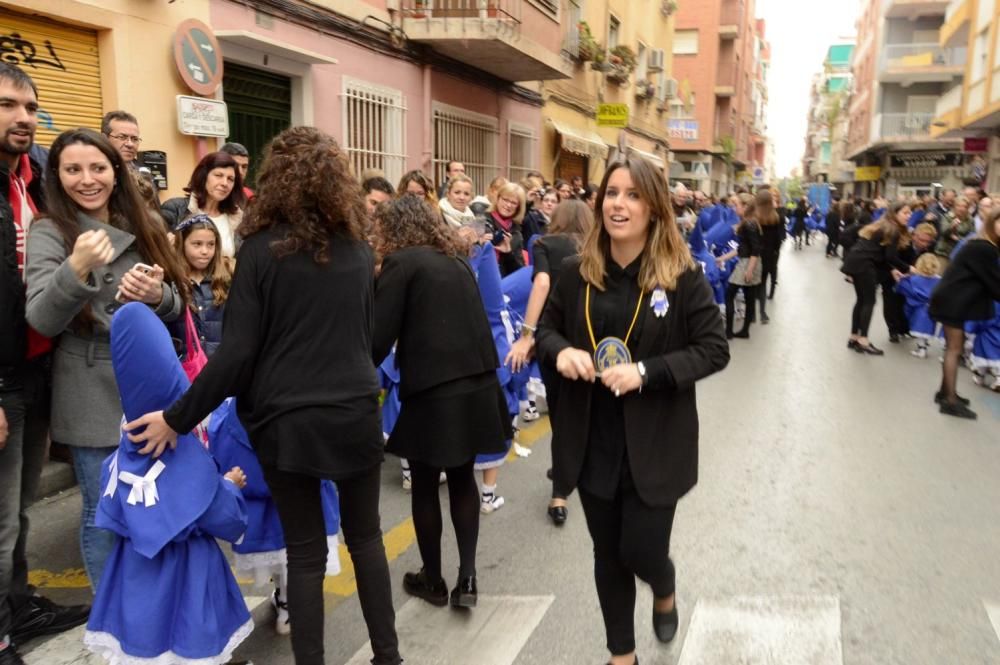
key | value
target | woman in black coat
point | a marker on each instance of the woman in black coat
(427, 302)
(296, 351)
(833, 220)
(966, 292)
(876, 253)
(626, 431)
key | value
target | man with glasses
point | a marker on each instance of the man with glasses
(122, 129)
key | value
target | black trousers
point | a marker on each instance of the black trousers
(631, 540)
(297, 497)
(550, 377)
(865, 286)
(750, 296)
(769, 267)
(893, 307)
(831, 242)
(463, 496)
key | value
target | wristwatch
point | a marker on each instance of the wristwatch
(642, 372)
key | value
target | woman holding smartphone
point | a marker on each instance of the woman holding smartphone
(96, 248)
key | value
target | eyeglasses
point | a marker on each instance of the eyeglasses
(125, 138)
(510, 202)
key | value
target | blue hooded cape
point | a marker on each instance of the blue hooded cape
(167, 593)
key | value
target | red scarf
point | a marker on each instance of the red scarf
(24, 212)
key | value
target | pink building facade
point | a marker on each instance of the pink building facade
(400, 90)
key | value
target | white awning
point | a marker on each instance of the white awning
(656, 160)
(581, 141)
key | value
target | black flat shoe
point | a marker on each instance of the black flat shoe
(465, 594)
(853, 344)
(894, 338)
(958, 410)
(665, 624)
(40, 616)
(870, 350)
(743, 334)
(765, 319)
(558, 515)
(548, 474)
(939, 399)
(434, 592)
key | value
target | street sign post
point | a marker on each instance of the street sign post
(202, 117)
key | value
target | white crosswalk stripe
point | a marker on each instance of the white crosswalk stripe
(492, 634)
(760, 630)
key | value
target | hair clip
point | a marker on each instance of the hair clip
(200, 218)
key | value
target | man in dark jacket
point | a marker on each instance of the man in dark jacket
(23, 386)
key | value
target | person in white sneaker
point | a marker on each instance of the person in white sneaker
(916, 287)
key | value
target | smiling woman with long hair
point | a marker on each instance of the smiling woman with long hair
(81, 264)
(630, 329)
(296, 352)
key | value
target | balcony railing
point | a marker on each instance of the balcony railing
(906, 126)
(505, 11)
(918, 56)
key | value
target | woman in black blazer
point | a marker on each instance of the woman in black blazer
(966, 292)
(296, 352)
(427, 302)
(626, 431)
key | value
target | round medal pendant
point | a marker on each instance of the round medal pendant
(611, 351)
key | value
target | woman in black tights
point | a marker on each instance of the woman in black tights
(966, 292)
(875, 252)
(747, 273)
(427, 302)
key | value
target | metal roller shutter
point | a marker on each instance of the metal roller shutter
(64, 64)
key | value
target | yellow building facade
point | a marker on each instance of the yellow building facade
(622, 55)
(92, 56)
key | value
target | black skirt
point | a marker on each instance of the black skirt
(448, 425)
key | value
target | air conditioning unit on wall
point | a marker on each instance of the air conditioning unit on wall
(655, 60)
(666, 90)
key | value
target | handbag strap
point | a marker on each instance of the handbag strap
(191, 333)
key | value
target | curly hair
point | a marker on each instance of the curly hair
(408, 221)
(306, 184)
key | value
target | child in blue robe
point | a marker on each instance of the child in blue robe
(516, 289)
(484, 264)
(985, 356)
(167, 594)
(704, 258)
(261, 552)
(916, 288)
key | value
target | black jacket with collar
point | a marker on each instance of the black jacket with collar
(13, 327)
(661, 422)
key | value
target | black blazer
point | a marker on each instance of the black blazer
(661, 423)
(428, 304)
(970, 284)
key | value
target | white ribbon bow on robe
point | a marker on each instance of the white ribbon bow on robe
(143, 487)
(112, 477)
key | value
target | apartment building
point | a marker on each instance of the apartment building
(970, 109)
(824, 158)
(401, 84)
(620, 52)
(717, 122)
(900, 70)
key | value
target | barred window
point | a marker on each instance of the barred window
(467, 137)
(521, 143)
(374, 128)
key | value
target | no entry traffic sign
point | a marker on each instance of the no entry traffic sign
(198, 57)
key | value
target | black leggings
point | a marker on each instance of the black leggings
(893, 307)
(954, 339)
(551, 379)
(297, 497)
(750, 296)
(463, 496)
(769, 265)
(631, 540)
(865, 286)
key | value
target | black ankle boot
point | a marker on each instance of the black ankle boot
(421, 585)
(465, 593)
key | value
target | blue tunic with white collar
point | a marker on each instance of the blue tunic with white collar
(167, 594)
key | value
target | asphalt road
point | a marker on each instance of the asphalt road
(838, 519)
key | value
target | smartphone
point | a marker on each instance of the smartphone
(141, 267)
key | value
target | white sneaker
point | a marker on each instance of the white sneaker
(978, 379)
(996, 384)
(919, 352)
(520, 450)
(487, 506)
(530, 413)
(407, 482)
(282, 625)
(443, 478)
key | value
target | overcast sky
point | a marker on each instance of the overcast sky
(800, 31)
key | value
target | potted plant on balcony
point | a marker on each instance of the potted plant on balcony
(668, 7)
(418, 8)
(645, 89)
(623, 61)
(600, 62)
(587, 47)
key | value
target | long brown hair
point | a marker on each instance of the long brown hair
(306, 183)
(890, 230)
(409, 221)
(665, 256)
(572, 218)
(764, 211)
(219, 269)
(126, 211)
(421, 178)
(989, 230)
(196, 187)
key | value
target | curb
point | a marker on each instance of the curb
(56, 477)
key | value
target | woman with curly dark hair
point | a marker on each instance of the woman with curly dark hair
(427, 302)
(296, 352)
(417, 184)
